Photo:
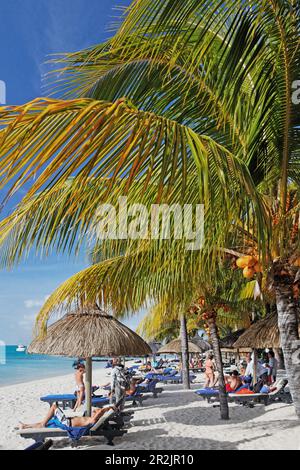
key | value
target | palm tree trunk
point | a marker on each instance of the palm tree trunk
(185, 353)
(279, 356)
(219, 363)
(287, 309)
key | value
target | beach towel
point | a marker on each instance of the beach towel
(244, 391)
(74, 433)
(207, 392)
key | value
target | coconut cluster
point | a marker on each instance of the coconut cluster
(250, 266)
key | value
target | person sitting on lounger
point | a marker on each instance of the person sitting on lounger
(233, 382)
(77, 422)
(133, 387)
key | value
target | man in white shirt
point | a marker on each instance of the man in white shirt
(260, 369)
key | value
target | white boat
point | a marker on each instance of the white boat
(21, 348)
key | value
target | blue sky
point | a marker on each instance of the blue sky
(30, 31)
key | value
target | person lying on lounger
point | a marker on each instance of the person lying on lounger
(133, 387)
(78, 422)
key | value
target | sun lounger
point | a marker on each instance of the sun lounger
(212, 393)
(64, 401)
(41, 445)
(157, 375)
(104, 427)
(173, 379)
(136, 400)
(207, 393)
(68, 401)
(279, 394)
(150, 388)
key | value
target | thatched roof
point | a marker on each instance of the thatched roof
(235, 350)
(262, 334)
(174, 347)
(228, 341)
(155, 345)
(201, 343)
(89, 332)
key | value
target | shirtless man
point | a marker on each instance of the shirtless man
(77, 422)
(80, 387)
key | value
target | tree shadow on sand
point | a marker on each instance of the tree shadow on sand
(209, 416)
(160, 440)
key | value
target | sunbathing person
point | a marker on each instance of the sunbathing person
(233, 382)
(78, 422)
(133, 387)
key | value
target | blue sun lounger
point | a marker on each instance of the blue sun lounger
(207, 393)
(176, 378)
(150, 388)
(212, 393)
(68, 401)
(159, 377)
(173, 377)
(136, 400)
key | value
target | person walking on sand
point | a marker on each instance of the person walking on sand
(118, 383)
(210, 372)
(80, 385)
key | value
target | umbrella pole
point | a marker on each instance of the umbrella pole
(254, 366)
(88, 386)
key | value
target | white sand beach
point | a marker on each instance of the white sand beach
(177, 420)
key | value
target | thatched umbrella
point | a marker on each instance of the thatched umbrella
(155, 345)
(201, 343)
(174, 347)
(89, 333)
(227, 343)
(262, 334)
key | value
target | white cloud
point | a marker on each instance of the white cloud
(35, 303)
(27, 321)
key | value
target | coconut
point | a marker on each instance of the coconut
(248, 272)
(258, 268)
(246, 261)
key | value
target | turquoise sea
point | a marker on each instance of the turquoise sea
(20, 367)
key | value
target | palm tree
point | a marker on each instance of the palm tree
(208, 118)
(128, 283)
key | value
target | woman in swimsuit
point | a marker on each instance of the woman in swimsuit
(80, 387)
(210, 372)
(77, 422)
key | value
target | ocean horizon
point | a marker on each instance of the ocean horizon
(20, 367)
